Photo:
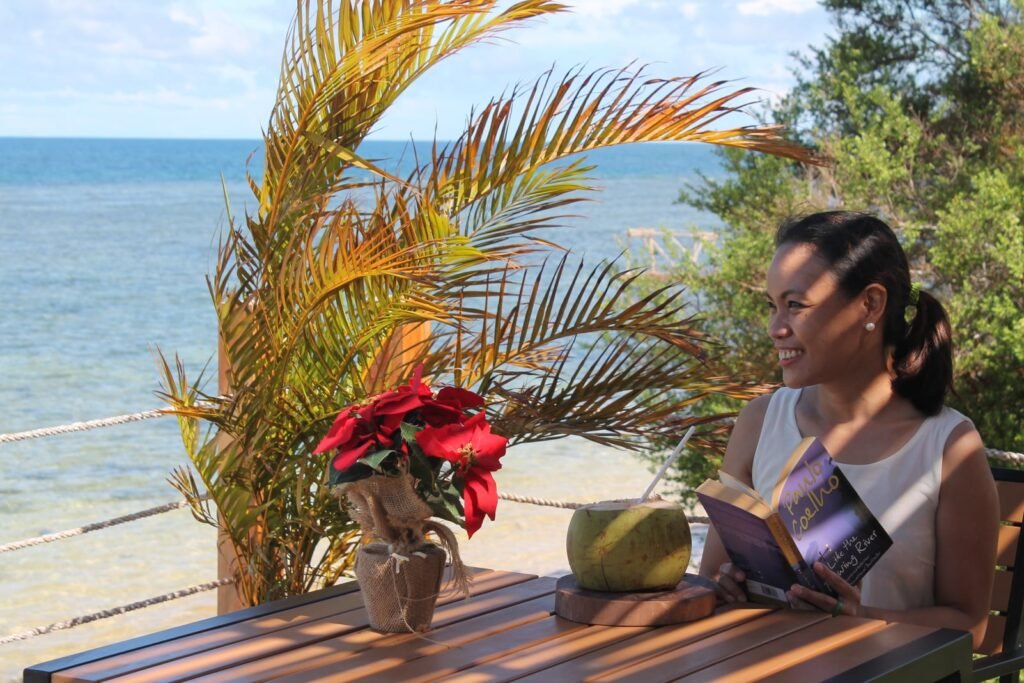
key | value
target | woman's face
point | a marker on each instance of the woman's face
(817, 330)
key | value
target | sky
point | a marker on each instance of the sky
(208, 68)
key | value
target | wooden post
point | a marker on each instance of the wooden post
(228, 599)
(397, 356)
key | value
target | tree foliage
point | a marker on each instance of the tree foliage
(347, 275)
(918, 105)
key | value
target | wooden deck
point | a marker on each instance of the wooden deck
(508, 631)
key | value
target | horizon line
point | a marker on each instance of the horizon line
(260, 139)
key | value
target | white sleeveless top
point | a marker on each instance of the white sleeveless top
(902, 491)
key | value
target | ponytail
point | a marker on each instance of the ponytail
(923, 358)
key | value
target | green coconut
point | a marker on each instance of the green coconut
(627, 546)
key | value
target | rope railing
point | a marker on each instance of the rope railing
(539, 501)
(83, 426)
(191, 590)
(115, 611)
(531, 500)
(991, 453)
(95, 526)
(177, 505)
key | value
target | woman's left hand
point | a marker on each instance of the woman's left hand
(847, 602)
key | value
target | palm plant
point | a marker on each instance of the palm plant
(348, 274)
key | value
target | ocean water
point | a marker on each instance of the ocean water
(104, 250)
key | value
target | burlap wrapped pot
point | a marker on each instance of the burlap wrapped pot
(400, 591)
(400, 575)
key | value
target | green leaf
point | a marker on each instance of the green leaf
(376, 459)
(447, 505)
(409, 432)
(355, 473)
(422, 468)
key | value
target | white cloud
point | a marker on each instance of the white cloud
(233, 72)
(689, 9)
(603, 8)
(169, 98)
(180, 15)
(763, 8)
(161, 96)
(213, 32)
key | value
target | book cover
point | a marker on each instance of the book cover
(825, 516)
(815, 515)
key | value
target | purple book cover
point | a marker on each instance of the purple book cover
(825, 516)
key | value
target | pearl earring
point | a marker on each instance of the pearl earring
(870, 327)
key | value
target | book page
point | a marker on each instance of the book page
(735, 496)
(733, 482)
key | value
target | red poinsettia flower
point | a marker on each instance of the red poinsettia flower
(475, 452)
(389, 409)
(449, 406)
(351, 436)
(359, 430)
(340, 432)
(449, 431)
(479, 498)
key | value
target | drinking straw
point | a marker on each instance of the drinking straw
(668, 463)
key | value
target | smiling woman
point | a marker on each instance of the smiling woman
(866, 362)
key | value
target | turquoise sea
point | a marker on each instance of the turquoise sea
(104, 249)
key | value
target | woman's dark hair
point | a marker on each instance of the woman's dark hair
(862, 250)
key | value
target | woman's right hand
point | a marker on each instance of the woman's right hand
(730, 583)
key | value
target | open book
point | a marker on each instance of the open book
(815, 515)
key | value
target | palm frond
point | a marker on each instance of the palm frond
(585, 111)
(515, 339)
(529, 309)
(342, 70)
(613, 394)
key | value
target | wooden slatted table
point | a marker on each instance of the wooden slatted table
(508, 631)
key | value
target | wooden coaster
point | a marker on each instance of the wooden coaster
(693, 598)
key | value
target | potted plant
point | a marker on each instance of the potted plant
(400, 459)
